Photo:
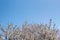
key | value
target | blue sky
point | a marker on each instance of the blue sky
(33, 11)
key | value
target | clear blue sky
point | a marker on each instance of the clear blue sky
(33, 11)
